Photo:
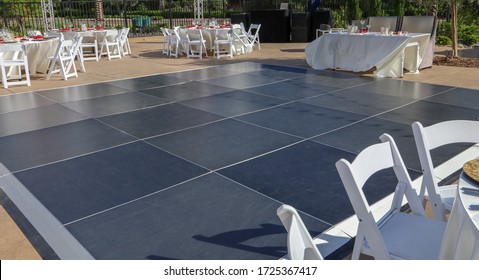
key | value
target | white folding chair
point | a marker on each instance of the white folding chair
(166, 41)
(89, 46)
(253, 34)
(430, 138)
(300, 244)
(110, 45)
(223, 43)
(123, 40)
(11, 67)
(377, 22)
(396, 235)
(64, 59)
(323, 28)
(196, 43)
(176, 41)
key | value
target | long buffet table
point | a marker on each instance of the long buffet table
(359, 52)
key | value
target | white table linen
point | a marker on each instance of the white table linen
(363, 51)
(461, 239)
(37, 52)
(99, 34)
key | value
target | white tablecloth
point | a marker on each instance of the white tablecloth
(37, 52)
(461, 239)
(361, 52)
(99, 34)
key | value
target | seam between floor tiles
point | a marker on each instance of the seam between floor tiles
(77, 156)
(133, 200)
(273, 199)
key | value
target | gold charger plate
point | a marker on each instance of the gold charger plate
(471, 169)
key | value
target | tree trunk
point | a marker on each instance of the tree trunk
(454, 8)
(99, 10)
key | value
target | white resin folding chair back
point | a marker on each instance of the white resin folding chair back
(18, 60)
(253, 34)
(430, 138)
(396, 235)
(323, 28)
(376, 23)
(300, 244)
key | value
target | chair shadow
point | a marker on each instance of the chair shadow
(293, 50)
(237, 238)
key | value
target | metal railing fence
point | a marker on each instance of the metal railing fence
(145, 17)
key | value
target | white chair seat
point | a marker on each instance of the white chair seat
(411, 237)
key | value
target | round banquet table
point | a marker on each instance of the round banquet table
(37, 52)
(461, 239)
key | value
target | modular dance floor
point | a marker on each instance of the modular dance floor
(193, 165)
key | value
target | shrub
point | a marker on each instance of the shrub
(468, 34)
(443, 41)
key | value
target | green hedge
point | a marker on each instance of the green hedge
(467, 34)
(443, 41)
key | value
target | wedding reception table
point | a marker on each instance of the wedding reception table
(359, 52)
(461, 239)
(37, 52)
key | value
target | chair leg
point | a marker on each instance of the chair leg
(27, 74)
(82, 63)
(51, 69)
(96, 51)
(108, 52)
(63, 71)
(358, 244)
(4, 77)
